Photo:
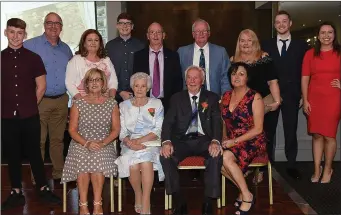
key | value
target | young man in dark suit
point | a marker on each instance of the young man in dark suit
(162, 64)
(192, 127)
(287, 54)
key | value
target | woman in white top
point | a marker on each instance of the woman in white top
(141, 121)
(90, 54)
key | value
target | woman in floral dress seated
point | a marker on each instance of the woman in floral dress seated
(243, 137)
(141, 122)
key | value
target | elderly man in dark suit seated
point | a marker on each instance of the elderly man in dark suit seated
(192, 127)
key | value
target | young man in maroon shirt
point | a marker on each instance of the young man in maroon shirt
(22, 87)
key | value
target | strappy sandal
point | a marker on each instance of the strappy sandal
(147, 213)
(138, 208)
(97, 203)
(316, 180)
(83, 204)
(241, 212)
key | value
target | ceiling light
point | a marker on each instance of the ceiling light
(308, 40)
(303, 25)
(315, 37)
(339, 15)
(320, 20)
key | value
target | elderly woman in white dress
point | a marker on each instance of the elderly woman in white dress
(141, 122)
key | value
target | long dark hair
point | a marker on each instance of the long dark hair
(101, 53)
(336, 44)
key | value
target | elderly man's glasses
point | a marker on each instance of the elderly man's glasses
(95, 80)
(201, 32)
(125, 23)
(155, 32)
(50, 24)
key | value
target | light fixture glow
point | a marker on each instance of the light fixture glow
(308, 40)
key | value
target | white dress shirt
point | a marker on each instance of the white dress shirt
(280, 43)
(196, 61)
(151, 69)
(200, 130)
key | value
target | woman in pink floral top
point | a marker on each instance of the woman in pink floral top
(91, 54)
(243, 137)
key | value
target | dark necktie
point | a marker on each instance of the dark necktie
(284, 47)
(202, 65)
(193, 127)
(156, 76)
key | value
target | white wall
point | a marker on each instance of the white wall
(114, 8)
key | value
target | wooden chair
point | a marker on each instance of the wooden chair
(258, 162)
(194, 162)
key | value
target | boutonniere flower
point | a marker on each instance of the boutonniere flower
(151, 111)
(204, 106)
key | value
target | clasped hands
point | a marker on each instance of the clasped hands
(94, 145)
(135, 144)
(214, 149)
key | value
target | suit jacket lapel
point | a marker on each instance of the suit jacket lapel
(146, 60)
(212, 64)
(166, 73)
(274, 45)
(189, 60)
(202, 112)
(186, 105)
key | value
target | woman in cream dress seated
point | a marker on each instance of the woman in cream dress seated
(141, 122)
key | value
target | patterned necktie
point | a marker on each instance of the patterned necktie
(284, 47)
(193, 127)
(156, 76)
(202, 65)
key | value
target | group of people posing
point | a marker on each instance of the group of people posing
(163, 106)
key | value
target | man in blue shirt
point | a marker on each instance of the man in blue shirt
(53, 109)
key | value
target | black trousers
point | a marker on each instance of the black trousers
(187, 148)
(289, 108)
(23, 136)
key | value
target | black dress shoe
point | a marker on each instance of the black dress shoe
(294, 173)
(207, 208)
(14, 200)
(180, 210)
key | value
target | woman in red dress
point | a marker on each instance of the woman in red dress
(321, 74)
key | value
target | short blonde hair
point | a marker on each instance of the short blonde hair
(90, 73)
(139, 76)
(257, 52)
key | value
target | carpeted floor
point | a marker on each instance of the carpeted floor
(323, 198)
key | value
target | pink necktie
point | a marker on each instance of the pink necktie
(156, 76)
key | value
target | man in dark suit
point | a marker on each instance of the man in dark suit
(287, 55)
(162, 64)
(192, 127)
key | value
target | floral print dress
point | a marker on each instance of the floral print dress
(239, 122)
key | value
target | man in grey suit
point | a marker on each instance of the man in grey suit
(212, 58)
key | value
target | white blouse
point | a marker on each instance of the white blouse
(77, 68)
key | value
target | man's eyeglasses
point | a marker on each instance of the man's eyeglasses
(125, 23)
(50, 24)
(155, 32)
(201, 32)
(95, 80)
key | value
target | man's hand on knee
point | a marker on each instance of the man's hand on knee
(167, 149)
(215, 149)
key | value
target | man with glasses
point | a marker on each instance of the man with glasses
(53, 109)
(162, 64)
(210, 57)
(23, 85)
(121, 53)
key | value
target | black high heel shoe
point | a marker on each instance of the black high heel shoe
(237, 203)
(241, 212)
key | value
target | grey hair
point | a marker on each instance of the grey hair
(139, 76)
(60, 18)
(201, 20)
(197, 68)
